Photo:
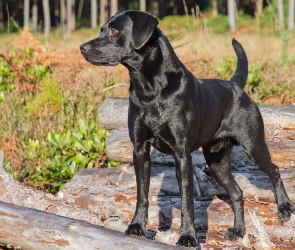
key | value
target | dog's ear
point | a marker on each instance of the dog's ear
(144, 25)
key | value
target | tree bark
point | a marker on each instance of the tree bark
(26, 12)
(93, 14)
(291, 15)
(102, 17)
(281, 14)
(73, 15)
(47, 21)
(35, 15)
(1, 17)
(142, 5)
(63, 15)
(69, 16)
(32, 229)
(80, 9)
(214, 8)
(114, 7)
(231, 14)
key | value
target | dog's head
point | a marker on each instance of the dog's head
(122, 34)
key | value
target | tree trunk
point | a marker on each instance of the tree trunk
(281, 14)
(73, 16)
(231, 14)
(114, 7)
(26, 12)
(102, 17)
(35, 15)
(63, 15)
(1, 17)
(56, 13)
(291, 15)
(214, 8)
(93, 14)
(258, 10)
(80, 9)
(69, 16)
(47, 20)
(142, 5)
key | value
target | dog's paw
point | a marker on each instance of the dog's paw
(235, 233)
(285, 210)
(135, 229)
(188, 241)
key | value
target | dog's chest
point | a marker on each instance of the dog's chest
(153, 116)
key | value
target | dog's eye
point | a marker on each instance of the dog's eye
(113, 32)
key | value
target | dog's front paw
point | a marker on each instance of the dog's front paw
(235, 233)
(135, 229)
(285, 210)
(188, 241)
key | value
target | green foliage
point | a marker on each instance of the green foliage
(254, 76)
(218, 24)
(47, 160)
(48, 99)
(285, 38)
(7, 79)
(228, 66)
(61, 155)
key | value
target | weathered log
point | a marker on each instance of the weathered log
(113, 113)
(112, 192)
(118, 146)
(41, 232)
(27, 228)
(279, 131)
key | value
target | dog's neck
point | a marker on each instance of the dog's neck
(147, 78)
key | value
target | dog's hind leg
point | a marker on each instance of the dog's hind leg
(184, 175)
(142, 166)
(259, 154)
(220, 167)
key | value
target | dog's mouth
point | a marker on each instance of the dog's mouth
(101, 63)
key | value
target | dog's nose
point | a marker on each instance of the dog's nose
(84, 47)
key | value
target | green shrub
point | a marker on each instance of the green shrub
(228, 66)
(7, 79)
(61, 155)
(48, 98)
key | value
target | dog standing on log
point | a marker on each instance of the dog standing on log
(178, 113)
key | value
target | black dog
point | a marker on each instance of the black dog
(177, 113)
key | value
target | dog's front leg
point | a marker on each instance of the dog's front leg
(184, 174)
(142, 166)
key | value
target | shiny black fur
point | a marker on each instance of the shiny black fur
(177, 113)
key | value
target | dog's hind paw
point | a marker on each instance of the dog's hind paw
(285, 210)
(188, 241)
(235, 233)
(135, 229)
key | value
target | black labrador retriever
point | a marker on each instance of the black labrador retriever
(178, 113)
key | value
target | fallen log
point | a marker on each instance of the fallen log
(279, 131)
(112, 193)
(113, 114)
(26, 228)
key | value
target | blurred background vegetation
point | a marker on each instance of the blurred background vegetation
(49, 95)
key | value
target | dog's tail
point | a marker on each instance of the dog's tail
(241, 74)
